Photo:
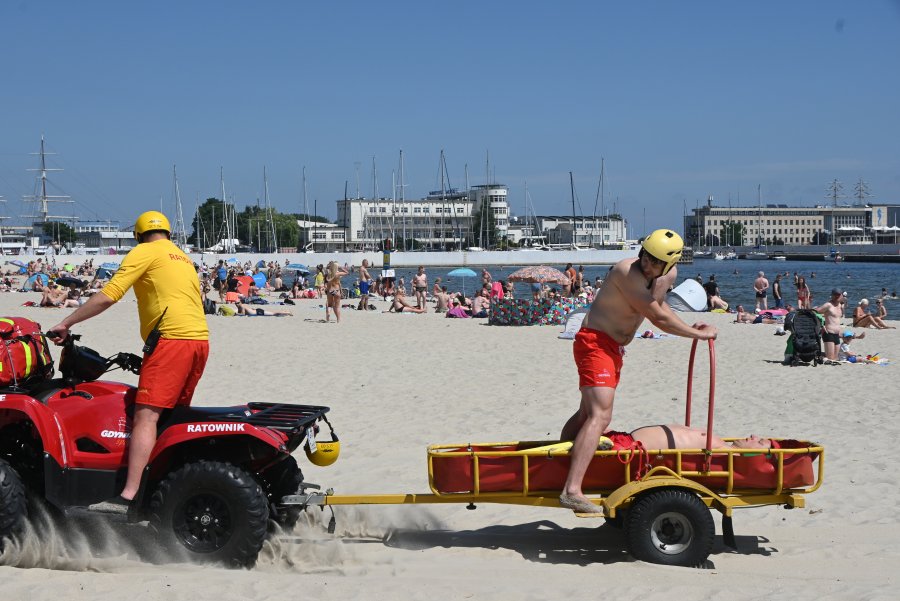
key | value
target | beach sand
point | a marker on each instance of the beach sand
(398, 382)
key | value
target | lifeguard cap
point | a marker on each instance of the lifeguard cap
(665, 245)
(151, 221)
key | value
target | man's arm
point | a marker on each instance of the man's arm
(95, 305)
(662, 315)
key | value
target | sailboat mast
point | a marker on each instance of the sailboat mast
(572, 188)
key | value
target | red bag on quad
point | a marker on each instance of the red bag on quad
(24, 352)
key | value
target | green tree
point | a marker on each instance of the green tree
(250, 226)
(732, 233)
(484, 229)
(59, 231)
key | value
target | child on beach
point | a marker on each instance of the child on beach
(844, 352)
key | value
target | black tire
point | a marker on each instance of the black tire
(13, 505)
(216, 511)
(284, 478)
(670, 527)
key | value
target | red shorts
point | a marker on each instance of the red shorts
(598, 358)
(170, 375)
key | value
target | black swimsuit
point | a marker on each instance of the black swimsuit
(670, 438)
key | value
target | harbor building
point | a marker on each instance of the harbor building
(444, 220)
(782, 224)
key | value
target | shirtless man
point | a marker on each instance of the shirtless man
(420, 285)
(832, 311)
(761, 287)
(401, 305)
(364, 283)
(443, 300)
(480, 304)
(634, 289)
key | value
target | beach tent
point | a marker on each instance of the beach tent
(261, 263)
(231, 260)
(29, 283)
(260, 280)
(688, 296)
(109, 266)
(573, 323)
(244, 282)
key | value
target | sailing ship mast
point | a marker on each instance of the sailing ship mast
(572, 187)
(271, 240)
(180, 236)
(42, 198)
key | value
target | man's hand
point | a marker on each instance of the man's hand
(707, 332)
(58, 334)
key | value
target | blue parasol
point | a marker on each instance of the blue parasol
(462, 272)
(109, 266)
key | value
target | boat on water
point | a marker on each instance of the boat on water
(725, 256)
(779, 258)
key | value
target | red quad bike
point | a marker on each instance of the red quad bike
(216, 476)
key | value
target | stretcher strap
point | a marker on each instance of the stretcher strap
(626, 455)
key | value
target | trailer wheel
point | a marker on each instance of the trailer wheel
(216, 511)
(13, 506)
(670, 527)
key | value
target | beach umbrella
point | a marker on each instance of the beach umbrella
(462, 272)
(109, 266)
(539, 275)
(231, 260)
(70, 281)
(18, 263)
(297, 267)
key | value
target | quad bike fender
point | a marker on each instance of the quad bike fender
(183, 434)
(16, 408)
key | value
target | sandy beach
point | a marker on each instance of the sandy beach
(398, 382)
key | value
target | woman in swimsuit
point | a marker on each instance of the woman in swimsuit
(804, 296)
(333, 275)
(676, 436)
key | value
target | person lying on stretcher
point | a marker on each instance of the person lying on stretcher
(676, 436)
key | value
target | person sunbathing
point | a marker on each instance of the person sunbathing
(253, 310)
(745, 317)
(677, 436)
(53, 297)
(401, 305)
(863, 319)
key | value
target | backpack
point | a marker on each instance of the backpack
(209, 307)
(806, 335)
(24, 352)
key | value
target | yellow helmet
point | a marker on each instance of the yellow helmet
(151, 221)
(664, 245)
(326, 453)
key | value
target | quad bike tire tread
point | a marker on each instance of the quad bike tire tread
(13, 504)
(240, 494)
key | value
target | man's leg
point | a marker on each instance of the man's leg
(140, 445)
(594, 414)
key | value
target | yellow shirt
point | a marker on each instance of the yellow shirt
(162, 276)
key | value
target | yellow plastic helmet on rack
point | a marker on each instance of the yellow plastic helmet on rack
(151, 221)
(665, 245)
(326, 453)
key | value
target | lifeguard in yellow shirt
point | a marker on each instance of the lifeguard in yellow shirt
(168, 298)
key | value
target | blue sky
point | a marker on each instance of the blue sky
(681, 99)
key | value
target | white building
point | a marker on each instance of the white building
(442, 220)
(583, 232)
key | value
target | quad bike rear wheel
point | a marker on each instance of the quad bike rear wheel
(670, 527)
(13, 506)
(284, 478)
(216, 511)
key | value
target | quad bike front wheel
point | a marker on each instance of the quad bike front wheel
(216, 511)
(13, 507)
(670, 527)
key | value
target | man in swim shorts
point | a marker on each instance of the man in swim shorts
(364, 283)
(633, 290)
(168, 300)
(832, 311)
(761, 287)
(420, 285)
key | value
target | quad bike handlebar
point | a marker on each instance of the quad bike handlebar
(85, 364)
